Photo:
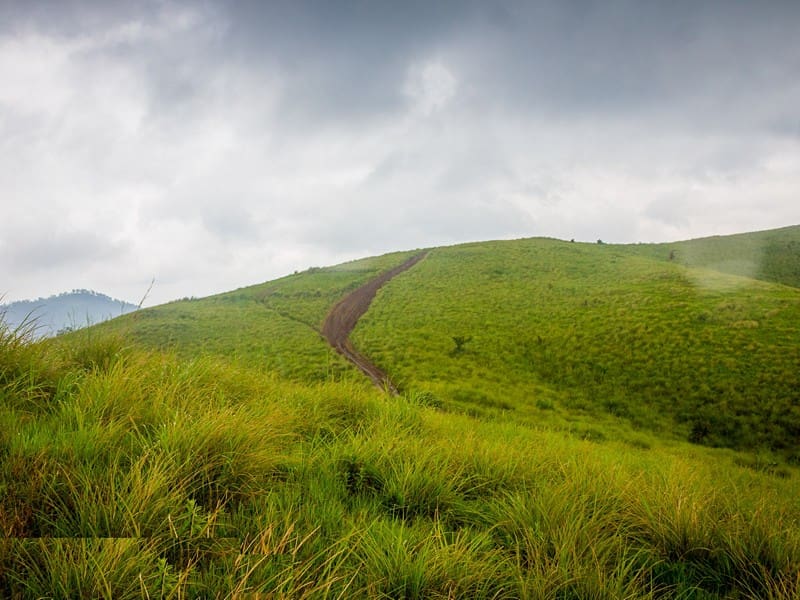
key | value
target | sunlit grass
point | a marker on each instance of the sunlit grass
(148, 475)
(594, 339)
(272, 326)
(542, 455)
(772, 255)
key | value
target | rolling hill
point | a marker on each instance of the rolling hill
(574, 421)
(567, 334)
(66, 311)
(569, 331)
(766, 255)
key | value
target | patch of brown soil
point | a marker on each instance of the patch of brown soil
(342, 319)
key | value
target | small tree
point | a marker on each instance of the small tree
(700, 431)
(460, 341)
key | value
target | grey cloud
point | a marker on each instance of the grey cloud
(233, 131)
(232, 223)
(705, 64)
(701, 64)
(51, 250)
(343, 62)
(476, 217)
(387, 215)
(65, 17)
(672, 209)
(787, 126)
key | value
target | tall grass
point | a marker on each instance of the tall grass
(138, 474)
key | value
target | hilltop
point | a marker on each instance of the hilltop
(573, 421)
(582, 334)
(667, 339)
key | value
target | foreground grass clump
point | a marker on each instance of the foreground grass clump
(128, 474)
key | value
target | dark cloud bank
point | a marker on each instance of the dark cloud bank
(219, 144)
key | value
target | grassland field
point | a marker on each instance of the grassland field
(576, 421)
(576, 333)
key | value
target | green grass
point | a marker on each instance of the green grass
(540, 448)
(602, 340)
(272, 326)
(128, 473)
(595, 339)
(772, 255)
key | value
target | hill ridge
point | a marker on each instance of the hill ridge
(43, 317)
(583, 337)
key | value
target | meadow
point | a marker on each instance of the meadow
(770, 255)
(272, 326)
(130, 473)
(575, 421)
(587, 337)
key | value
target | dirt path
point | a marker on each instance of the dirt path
(342, 319)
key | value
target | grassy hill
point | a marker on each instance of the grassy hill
(585, 334)
(555, 437)
(772, 255)
(272, 326)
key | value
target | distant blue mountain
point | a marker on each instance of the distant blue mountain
(63, 312)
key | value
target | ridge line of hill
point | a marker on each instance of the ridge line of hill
(343, 317)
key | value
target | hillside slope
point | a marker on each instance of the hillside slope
(575, 333)
(274, 326)
(772, 255)
(540, 447)
(127, 473)
(599, 340)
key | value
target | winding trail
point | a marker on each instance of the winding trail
(342, 319)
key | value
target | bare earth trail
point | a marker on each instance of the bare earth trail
(342, 319)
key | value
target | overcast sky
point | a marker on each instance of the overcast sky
(213, 145)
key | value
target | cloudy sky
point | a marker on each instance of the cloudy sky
(212, 145)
